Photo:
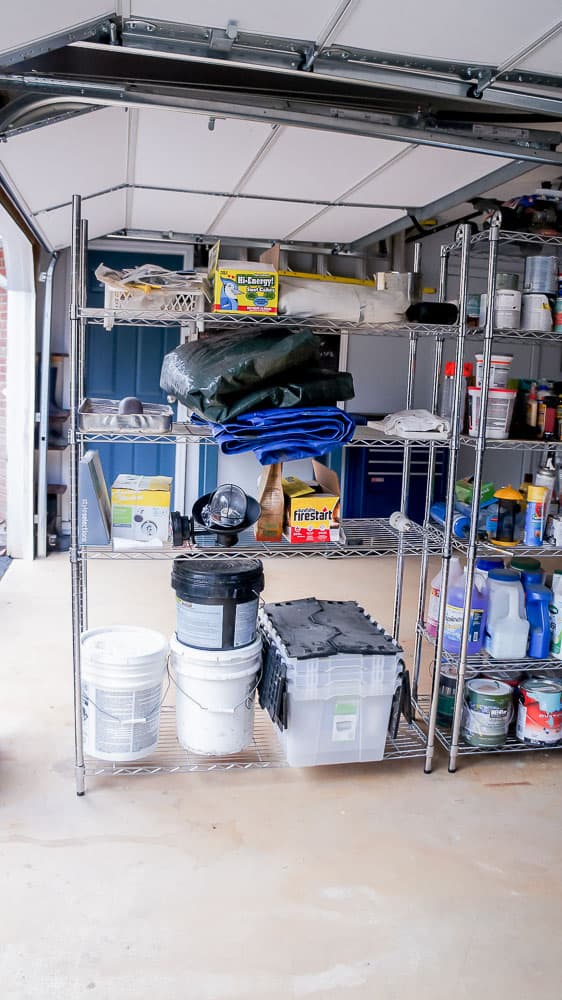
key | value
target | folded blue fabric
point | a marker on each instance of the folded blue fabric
(283, 435)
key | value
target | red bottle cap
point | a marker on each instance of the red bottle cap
(467, 368)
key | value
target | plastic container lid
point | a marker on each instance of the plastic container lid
(315, 628)
(489, 564)
(467, 368)
(217, 577)
(528, 565)
(504, 575)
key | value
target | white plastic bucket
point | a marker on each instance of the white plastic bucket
(215, 696)
(536, 313)
(507, 309)
(500, 365)
(499, 415)
(122, 672)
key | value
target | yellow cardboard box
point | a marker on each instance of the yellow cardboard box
(140, 507)
(313, 517)
(252, 289)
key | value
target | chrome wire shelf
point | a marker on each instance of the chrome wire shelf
(443, 736)
(265, 751)
(363, 537)
(155, 317)
(364, 437)
(531, 336)
(510, 444)
(484, 663)
(546, 551)
(508, 237)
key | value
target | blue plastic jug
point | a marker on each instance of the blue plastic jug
(537, 602)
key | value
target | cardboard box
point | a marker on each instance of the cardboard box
(242, 287)
(313, 518)
(140, 507)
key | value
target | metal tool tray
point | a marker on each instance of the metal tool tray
(103, 415)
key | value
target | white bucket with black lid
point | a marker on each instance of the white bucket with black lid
(217, 601)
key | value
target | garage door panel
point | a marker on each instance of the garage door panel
(104, 214)
(174, 149)
(291, 19)
(343, 224)
(26, 24)
(164, 211)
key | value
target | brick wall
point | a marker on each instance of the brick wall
(3, 362)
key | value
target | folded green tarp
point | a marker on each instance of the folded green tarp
(225, 375)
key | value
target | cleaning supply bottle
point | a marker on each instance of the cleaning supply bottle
(447, 391)
(507, 627)
(532, 410)
(556, 615)
(456, 597)
(538, 600)
(432, 617)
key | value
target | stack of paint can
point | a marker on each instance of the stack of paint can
(540, 288)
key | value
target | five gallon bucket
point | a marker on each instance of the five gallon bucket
(217, 602)
(215, 696)
(122, 672)
(499, 413)
(500, 365)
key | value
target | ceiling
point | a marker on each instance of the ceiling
(344, 170)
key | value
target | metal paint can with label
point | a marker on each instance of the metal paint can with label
(541, 274)
(487, 712)
(539, 716)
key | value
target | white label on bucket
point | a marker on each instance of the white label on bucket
(344, 725)
(113, 719)
(200, 624)
(245, 623)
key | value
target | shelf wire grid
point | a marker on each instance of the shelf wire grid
(363, 537)
(317, 324)
(364, 437)
(508, 237)
(265, 751)
(511, 444)
(443, 736)
(483, 663)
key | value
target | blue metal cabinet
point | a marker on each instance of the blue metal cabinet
(373, 481)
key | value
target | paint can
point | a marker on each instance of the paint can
(217, 601)
(509, 282)
(487, 712)
(541, 275)
(539, 716)
(536, 313)
(446, 696)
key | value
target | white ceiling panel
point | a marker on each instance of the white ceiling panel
(175, 149)
(290, 19)
(426, 174)
(165, 211)
(547, 58)
(479, 31)
(314, 164)
(263, 219)
(104, 215)
(25, 23)
(342, 224)
(79, 156)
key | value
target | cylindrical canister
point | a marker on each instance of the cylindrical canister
(487, 712)
(535, 515)
(541, 275)
(539, 716)
(536, 313)
(446, 697)
(500, 365)
(507, 281)
(558, 315)
(507, 309)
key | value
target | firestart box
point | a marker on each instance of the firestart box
(312, 509)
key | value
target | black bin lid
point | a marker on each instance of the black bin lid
(316, 628)
(222, 578)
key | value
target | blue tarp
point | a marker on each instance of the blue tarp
(283, 435)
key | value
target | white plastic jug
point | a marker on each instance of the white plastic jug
(432, 617)
(507, 628)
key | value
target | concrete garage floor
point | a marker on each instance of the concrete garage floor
(259, 885)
